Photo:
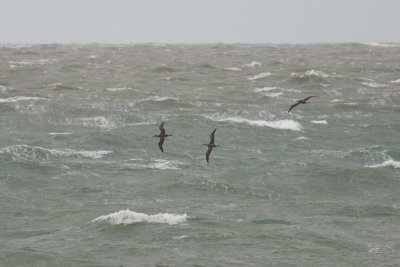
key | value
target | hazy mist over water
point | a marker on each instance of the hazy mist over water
(83, 182)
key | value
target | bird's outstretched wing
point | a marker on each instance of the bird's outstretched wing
(212, 137)
(160, 143)
(308, 97)
(208, 153)
(162, 130)
(292, 106)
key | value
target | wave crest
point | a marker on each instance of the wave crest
(389, 162)
(130, 217)
(26, 152)
(279, 124)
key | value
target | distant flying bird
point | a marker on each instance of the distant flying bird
(210, 145)
(301, 101)
(162, 136)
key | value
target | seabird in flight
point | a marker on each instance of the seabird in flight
(301, 101)
(210, 145)
(162, 136)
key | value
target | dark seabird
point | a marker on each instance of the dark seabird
(301, 101)
(210, 145)
(162, 136)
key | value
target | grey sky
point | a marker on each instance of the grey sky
(199, 21)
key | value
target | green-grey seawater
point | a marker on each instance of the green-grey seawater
(83, 182)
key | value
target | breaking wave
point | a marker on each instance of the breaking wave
(259, 76)
(100, 122)
(320, 122)
(19, 98)
(309, 76)
(27, 152)
(279, 124)
(389, 162)
(253, 64)
(130, 217)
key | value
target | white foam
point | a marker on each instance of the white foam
(337, 100)
(130, 217)
(252, 64)
(259, 76)
(378, 44)
(302, 138)
(265, 89)
(19, 98)
(158, 98)
(100, 121)
(233, 68)
(279, 124)
(27, 152)
(389, 162)
(65, 133)
(273, 95)
(317, 73)
(164, 165)
(373, 84)
(320, 122)
(395, 81)
(118, 89)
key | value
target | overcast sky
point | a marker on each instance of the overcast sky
(199, 21)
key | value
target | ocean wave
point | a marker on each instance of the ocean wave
(395, 81)
(389, 162)
(373, 84)
(302, 138)
(265, 89)
(378, 44)
(259, 76)
(233, 68)
(253, 64)
(309, 76)
(161, 164)
(130, 217)
(64, 133)
(19, 98)
(279, 124)
(320, 122)
(100, 122)
(117, 89)
(27, 152)
(273, 95)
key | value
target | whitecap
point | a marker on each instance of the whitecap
(265, 89)
(259, 76)
(378, 44)
(273, 95)
(100, 121)
(158, 98)
(352, 104)
(64, 133)
(19, 98)
(279, 124)
(233, 68)
(164, 165)
(130, 217)
(320, 122)
(373, 84)
(389, 162)
(36, 152)
(337, 100)
(252, 64)
(395, 81)
(302, 138)
(317, 73)
(118, 89)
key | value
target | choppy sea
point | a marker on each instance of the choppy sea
(83, 182)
